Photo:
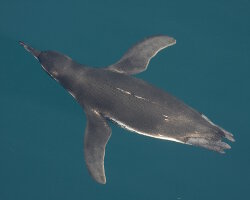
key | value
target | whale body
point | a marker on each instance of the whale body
(112, 93)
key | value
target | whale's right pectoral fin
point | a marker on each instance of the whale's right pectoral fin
(136, 59)
(96, 137)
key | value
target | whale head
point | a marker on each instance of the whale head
(54, 63)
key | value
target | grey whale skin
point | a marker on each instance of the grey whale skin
(111, 93)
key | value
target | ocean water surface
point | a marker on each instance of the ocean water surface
(42, 127)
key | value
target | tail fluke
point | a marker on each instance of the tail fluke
(213, 140)
(215, 145)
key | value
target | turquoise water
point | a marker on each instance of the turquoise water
(42, 127)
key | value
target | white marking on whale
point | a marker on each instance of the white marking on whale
(138, 97)
(166, 118)
(71, 93)
(124, 91)
(159, 136)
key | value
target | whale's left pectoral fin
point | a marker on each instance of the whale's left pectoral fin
(136, 59)
(96, 137)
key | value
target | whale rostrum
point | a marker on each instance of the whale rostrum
(113, 94)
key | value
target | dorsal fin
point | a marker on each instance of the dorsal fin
(136, 59)
(97, 134)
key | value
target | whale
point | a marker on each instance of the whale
(112, 94)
